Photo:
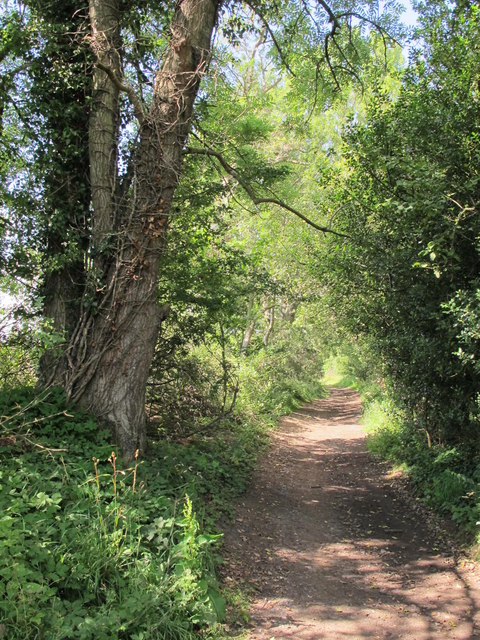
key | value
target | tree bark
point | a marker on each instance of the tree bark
(251, 323)
(64, 98)
(113, 344)
(269, 309)
(104, 123)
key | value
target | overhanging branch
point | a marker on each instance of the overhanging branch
(333, 19)
(251, 193)
(269, 30)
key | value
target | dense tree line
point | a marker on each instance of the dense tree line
(98, 103)
(407, 278)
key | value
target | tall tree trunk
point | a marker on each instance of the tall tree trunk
(112, 347)
(103, 125)
(251, 324)
(269, 309)
(62, 291)
(64, 99)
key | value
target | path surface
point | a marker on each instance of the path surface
(334, 551)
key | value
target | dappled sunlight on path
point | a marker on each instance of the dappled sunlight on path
(331, 548)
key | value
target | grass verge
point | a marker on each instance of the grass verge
(446, 477)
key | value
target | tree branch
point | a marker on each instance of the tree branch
(378, 27)
(251, 193)
(126, 88)
(329, 62)
(274, 40)
(331, 16)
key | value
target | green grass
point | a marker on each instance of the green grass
(446, 477)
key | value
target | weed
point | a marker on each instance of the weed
(89, 550)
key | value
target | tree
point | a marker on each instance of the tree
(407, 278)
(130, 74)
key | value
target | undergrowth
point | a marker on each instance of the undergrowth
(93, 549)
(446, 477)
(278, 380)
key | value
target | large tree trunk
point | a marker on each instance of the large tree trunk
(66, 194)
(112, 347)
(104, 124)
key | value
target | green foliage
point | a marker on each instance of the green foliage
(16, 364)
(279, 379)
(352, 364)
(45, 116)
(406, 278)
(226, 271)
(23, 340)
(446, 478)
(94, 549)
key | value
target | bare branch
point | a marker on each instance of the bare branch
(329, 62)
(335, 20)
(378, 27)
(348, 66)
(251, 193)
(126, 88)
(274, 40)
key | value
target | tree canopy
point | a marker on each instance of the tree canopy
(98, 104)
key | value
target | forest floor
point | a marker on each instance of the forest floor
(332, 545)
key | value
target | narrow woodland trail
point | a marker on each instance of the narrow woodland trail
(332, 548)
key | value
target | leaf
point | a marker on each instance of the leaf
(218, 602)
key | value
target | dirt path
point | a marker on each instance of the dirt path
(333, 550)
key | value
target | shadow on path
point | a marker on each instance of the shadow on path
(331, 548)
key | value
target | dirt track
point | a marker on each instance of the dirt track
(334, 551)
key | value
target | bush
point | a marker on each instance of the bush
(277, 380)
